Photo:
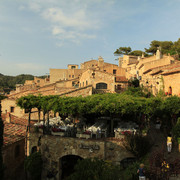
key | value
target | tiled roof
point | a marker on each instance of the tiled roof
(121, 79)
(13, 133)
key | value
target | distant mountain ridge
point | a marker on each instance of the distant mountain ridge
(8, 83)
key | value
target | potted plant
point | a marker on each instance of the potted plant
(57, 132)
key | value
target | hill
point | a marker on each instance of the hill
(8, 83)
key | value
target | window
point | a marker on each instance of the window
(86, 83)
(73, 67)
(83, 84)
(17, 151)
(114, 71)
(73, 83)
(69, 76)
(118, 87)
(34, 149)
(104, 70)
(101, 86)
(72, 76)
(38, 81)
(12, 109)
(80, 85)
(26, 111)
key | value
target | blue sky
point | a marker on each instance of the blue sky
(36, 35)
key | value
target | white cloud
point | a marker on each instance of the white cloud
(68, 20)
(76, 20)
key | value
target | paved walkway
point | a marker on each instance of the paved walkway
(159, 141)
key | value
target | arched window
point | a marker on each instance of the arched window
(86, 83)
(101, 86)
(17, 151)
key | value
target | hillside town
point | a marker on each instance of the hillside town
(70, 138)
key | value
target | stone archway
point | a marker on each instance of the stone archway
(66, 165)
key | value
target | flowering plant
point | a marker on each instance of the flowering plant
(87, 132)
(54, 129)
(125, 132)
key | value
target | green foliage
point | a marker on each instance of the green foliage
(176, 129)
(1, 146)
(33, 165)
(134, 82)
(166, 46)
(11, 81)
(122, 50)
(95, 169)
(27, 102)
(138, 53)
(130, 173)
(137, 144)
(138, 92)
(132, 103)
(172, 105)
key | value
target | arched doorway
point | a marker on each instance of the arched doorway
(67, 164)
(127, 161)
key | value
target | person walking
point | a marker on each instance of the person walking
(169, 143)
(141, 172)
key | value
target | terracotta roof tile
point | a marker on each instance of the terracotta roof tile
(121, 79)
(13, 133)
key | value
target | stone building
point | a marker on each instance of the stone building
(57, 151)
(158, 72)
(14, 149)
(94, 76)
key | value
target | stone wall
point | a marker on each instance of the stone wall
(6, 107)
(98, 77)
(14, 161)
(84, 91)
(53, 148)
(172, 80)
(58, 74)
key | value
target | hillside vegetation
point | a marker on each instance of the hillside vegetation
(8, 83)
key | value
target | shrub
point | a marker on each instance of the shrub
(137, 144)
(176, 129)
(33, 165)
(95, 169)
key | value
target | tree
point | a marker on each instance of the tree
(33, 165)
(95, 169)
(122, 50)
(166, 47)
(27, 103)
(136, 53)
(1, 145)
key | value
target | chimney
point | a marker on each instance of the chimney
(158, 53)
(100, 61)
